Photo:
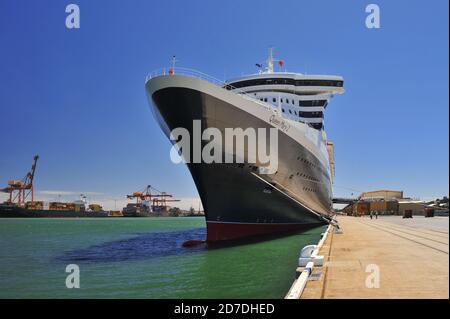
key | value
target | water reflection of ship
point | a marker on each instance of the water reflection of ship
(150, 202)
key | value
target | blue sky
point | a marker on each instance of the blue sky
(76, 97)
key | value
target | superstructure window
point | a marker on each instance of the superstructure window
(274, 81)
(319, 83)
(274, 100)
(317, 126)
(310, 114)
(312, 103)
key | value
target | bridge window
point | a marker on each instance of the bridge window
(310, 114)
(319, 83)
(312, 103)
(317, 126)
(271, 81)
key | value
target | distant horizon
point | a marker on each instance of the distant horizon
(77, 98)
(117, 202)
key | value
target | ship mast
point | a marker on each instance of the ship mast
(270, 61)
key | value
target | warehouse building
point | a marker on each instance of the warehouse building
(390, 207)
(383, 194)
(384, 202)
(416, 207)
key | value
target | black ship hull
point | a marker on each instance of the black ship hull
(238, 201)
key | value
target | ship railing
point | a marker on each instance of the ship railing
(202, 76)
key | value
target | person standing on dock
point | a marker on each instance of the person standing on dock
(376, 214)
(371, 214)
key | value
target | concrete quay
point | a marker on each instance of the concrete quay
(388, 257)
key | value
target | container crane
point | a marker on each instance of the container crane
(20, 190)
(158, 199)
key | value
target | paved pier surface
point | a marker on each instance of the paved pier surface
(412, 256)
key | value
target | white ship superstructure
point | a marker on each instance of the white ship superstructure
(297, 97)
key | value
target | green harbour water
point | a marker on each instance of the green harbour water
(140, 258)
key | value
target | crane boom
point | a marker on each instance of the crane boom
(20, 190)
(159, 199)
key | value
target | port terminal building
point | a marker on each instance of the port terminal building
(388, 202)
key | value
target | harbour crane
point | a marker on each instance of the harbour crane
(158, 199)
(20, 190)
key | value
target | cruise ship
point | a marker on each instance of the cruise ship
(239, 199)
